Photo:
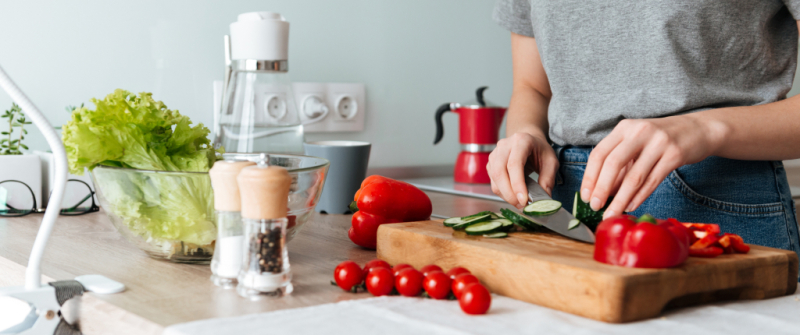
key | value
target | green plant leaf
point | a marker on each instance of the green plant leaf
(25, 131)
(26, 147)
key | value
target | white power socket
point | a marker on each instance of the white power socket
(323, 107)
(331, 107)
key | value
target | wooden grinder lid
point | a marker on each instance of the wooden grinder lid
(264, 191)
(226, 189)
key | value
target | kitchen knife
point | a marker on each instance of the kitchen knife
(558, 222)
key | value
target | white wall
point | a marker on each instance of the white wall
(412, 55)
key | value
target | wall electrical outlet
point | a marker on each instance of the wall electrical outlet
(331, 107)
(322, 107)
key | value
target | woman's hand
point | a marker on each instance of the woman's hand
(637, 156)
(514, 158)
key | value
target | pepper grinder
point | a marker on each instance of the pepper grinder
(264, 192)
(228, 251)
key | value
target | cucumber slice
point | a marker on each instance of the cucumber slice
(471, 221)
(483, 228)
(496, 235)
(520, 220)
(452, 221)
(542, 207)
(574, 223)
(476, 215)
(505, 222)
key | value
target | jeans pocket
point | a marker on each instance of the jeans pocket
(754, 210)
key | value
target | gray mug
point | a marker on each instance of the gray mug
(349, 160)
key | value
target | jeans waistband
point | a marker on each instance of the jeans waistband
(572, 153)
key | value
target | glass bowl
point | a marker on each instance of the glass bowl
(170, 215)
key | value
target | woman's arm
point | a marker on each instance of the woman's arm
(656, 147)
(525, 145)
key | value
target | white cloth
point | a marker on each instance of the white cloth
(400, 315)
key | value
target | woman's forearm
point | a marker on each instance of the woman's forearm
(764, 132)
(527, 112)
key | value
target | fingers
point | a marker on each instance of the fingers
(665, 165)
(547, 171)
(498, 172)
(634, 179)
(520, 151)
(595, 163)
(612, 167)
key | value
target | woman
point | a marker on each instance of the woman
(673, 108)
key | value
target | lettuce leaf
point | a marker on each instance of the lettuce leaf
(135, 131)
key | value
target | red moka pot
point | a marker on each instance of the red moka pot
(479, 125)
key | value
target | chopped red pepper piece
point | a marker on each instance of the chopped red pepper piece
(704, 242)
(709, 252)
(724, 241)
(737, 242)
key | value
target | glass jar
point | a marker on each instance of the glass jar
(265, 266)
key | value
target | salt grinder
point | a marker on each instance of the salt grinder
(264, 192)
(228, 251)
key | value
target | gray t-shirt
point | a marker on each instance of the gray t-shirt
(619, 59)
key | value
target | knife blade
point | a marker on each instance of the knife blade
(558, 222)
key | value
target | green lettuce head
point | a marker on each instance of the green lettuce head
(134, 131)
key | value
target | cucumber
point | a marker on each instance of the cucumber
(496, 235)
(542, 208)
(520, 220)
(452, 221)
(484, 228)
(477, 215)
(471, 220)
(574, 223)
(583, 212)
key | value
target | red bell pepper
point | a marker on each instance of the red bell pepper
(383, 200)
(620, 240)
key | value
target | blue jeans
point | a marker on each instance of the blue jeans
(748, 198)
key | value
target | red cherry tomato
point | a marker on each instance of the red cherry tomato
(454, 272)
(427, 269)
(461, 282)
(375, 263)
(437, 284)
(348, 274)
(380, 281)
(475, 299)
(409, 282)
(397, 268)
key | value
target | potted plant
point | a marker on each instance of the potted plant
(14, 163)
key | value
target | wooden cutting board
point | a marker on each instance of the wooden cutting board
(559, 273)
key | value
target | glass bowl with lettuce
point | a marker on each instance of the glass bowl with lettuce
(150, 169)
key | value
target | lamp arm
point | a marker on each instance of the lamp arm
(33, 273)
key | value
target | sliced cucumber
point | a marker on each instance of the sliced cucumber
(496, 235)
(452, 221)
(476, 215)
(583, 212)
(574, 223)
(471, 221)
(505, 222)
(483, 228)
(520, 220)
(542, 207)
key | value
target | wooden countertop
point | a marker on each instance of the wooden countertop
(161, 293)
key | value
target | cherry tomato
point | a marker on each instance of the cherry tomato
(437, 284)
(348, 274)
(380, 281)
(375, 263)
(396, 269)
(475, 299)
(409, 282)
(461, 282)
(454, 272)
(427, 269)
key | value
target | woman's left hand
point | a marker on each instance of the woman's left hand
(638, 154)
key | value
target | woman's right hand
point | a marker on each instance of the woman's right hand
(516, 157)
